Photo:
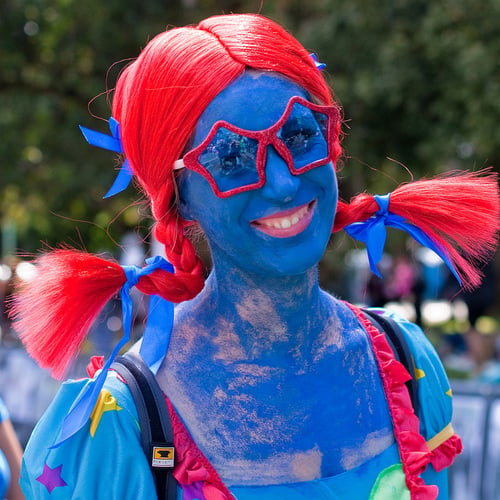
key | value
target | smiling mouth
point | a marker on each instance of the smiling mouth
(287, 223)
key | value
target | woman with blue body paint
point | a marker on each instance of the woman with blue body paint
(276, 389)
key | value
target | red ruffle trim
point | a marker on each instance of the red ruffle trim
(444, 454)
(95, 364)
(194, 469)
(414, 452)
(191, 465)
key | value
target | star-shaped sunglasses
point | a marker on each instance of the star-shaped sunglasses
(233, 159)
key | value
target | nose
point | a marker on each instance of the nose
(280, 184)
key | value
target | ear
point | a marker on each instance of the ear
(184, 210)
(182, 204)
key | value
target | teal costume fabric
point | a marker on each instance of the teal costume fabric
(433, 386)
(109, 465)
(104, 460)
(4, 413)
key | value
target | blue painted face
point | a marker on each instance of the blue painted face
(281, 228)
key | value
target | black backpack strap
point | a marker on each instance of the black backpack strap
(154, 420)
(397, 341)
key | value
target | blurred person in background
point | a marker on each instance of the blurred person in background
(10, 458)
(6, 275)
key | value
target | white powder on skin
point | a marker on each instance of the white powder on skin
(307, 466)
(228, 343)
(374, 444)
(250, 375)
(331, 336)
(186, 341)
(258, 310)
(278, 469)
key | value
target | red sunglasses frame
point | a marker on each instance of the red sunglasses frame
(265, 138)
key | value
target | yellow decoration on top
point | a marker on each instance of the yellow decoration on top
(105, 402)
(449, 392)
(441, 437)
(419, 373)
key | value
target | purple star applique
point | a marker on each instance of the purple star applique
(193, 491)
(51, 478)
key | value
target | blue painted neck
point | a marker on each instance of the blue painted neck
(280, 312)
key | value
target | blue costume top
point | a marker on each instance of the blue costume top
(105, 459)
(4, 466)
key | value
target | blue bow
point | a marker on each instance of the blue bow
(111, 143)
(372, 232)
(319, 65)
(153, 348)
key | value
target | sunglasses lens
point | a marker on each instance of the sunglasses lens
(231, 159)
(305, 134)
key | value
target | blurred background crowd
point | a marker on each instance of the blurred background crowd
(419, 82)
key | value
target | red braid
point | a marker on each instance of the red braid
(188, 279)
(157, 101)
(459, 211)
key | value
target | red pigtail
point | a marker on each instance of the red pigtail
(460, 212)
(54, 311)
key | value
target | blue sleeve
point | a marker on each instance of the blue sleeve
(434, 391)
(102, 461)
(4, 465)
(4, 413)
(434, 394)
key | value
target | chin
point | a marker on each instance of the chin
(294, 262)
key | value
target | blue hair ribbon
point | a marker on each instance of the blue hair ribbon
(111, 143)
(372, 232)
(319, 65)
(156, 335)
(153, 349)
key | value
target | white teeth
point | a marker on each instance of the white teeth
(285, 223)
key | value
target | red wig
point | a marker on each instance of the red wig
(157, 101)
(160, 97)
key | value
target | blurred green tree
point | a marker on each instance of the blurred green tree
(418, 81)
(57, 56)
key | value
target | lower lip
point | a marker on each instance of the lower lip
(288, 232)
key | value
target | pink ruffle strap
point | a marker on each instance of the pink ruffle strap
(193, 471)
(444, 454)
(415, 455)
